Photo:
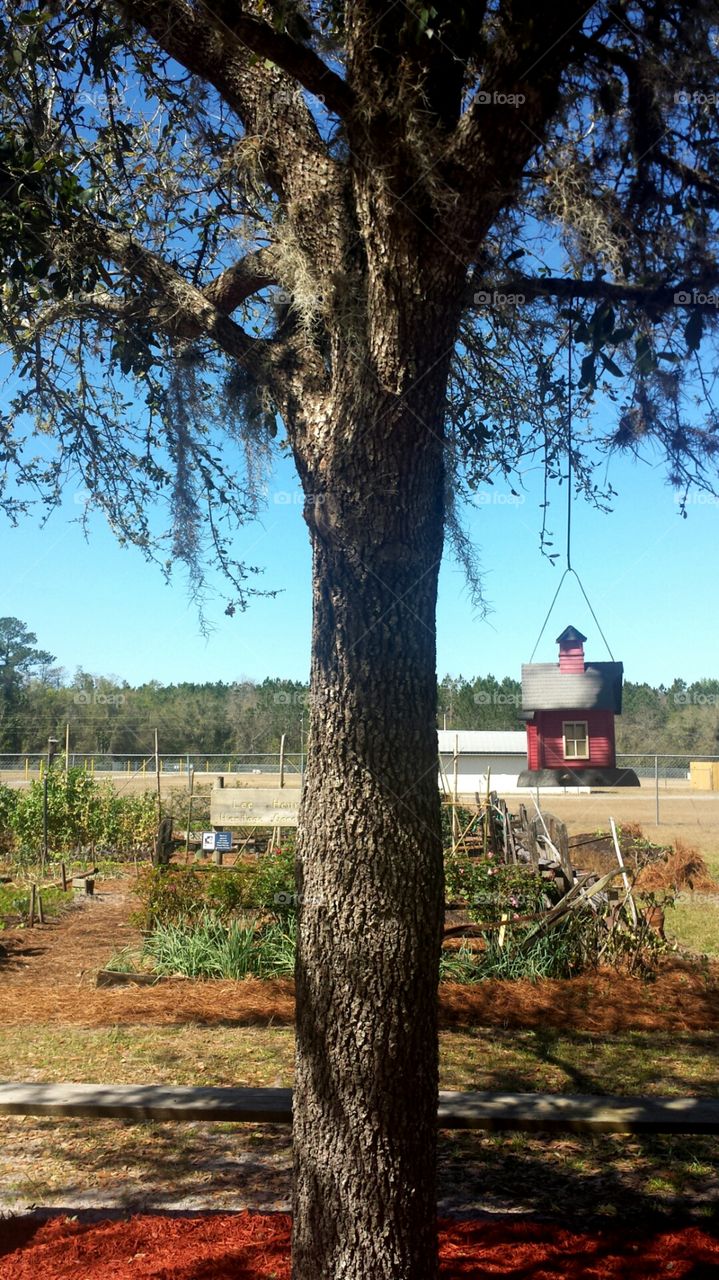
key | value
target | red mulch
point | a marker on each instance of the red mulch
(249, 1246)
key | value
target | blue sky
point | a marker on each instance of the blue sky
(650, 575)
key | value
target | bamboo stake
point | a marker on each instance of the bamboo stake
(625, 877)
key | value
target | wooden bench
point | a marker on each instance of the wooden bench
(530, 1112)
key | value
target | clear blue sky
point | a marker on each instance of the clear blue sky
(651, 576)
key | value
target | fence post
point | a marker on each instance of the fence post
(656, 787)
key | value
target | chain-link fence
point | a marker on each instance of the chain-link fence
(651, 768)
(666, 769)
(33, 763)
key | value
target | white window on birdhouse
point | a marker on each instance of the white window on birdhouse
(576, 739)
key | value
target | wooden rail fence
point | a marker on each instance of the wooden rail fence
(530, 1112)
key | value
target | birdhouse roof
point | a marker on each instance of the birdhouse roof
(545, 687)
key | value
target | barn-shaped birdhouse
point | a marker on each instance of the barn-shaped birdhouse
(569, 707)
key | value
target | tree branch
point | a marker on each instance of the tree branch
(181, 308)
(700, 292)
(507, 118)
(296, 59)
(253, 272)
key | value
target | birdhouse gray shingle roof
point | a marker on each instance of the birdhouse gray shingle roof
(546, 688)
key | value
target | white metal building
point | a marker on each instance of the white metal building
(499, 755)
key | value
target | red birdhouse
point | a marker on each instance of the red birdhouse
(569, 707)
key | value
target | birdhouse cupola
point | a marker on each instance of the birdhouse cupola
(571, 650)
(569, 707)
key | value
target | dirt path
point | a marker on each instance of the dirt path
(68, 952)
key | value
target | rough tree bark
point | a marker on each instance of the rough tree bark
(370, 875)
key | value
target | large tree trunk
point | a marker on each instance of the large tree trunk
(370, 859)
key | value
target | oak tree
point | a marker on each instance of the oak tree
(371, 235)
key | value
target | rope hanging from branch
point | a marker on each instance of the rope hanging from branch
(569, 569)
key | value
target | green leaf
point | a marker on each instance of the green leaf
(589, 375)
(611, 367)
(693, 330)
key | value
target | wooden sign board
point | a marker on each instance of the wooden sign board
(254, 806)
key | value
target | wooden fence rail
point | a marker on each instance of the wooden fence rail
(530, 1112)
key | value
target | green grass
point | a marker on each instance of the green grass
(693, 922)
(552, 1061)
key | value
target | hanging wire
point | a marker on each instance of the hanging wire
(569, 568)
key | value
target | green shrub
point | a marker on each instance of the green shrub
(80, 812)
(274, 883)
(491, 889)
(168, 894)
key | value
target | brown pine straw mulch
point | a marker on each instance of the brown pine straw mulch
(248, 1246)
(682, 998)
(680, 869)
(672, 868)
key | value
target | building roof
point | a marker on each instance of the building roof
(546, 688)
(481, 742)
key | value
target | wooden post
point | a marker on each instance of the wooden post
(455, 793)
(157, 776)
(282, 760)
(67, 748)
(27, 768)
(31, 913)
(191, 781)
(40, 916)
(656, 786)
(63, 877)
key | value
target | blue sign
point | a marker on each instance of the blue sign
(223, 841)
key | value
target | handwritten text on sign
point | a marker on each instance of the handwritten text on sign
(254, 806)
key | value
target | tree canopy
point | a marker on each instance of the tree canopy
(181, 255)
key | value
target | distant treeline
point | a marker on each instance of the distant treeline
(247, 717)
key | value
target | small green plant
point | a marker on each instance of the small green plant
(15, 903)
(208, 947)
(274, 883)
